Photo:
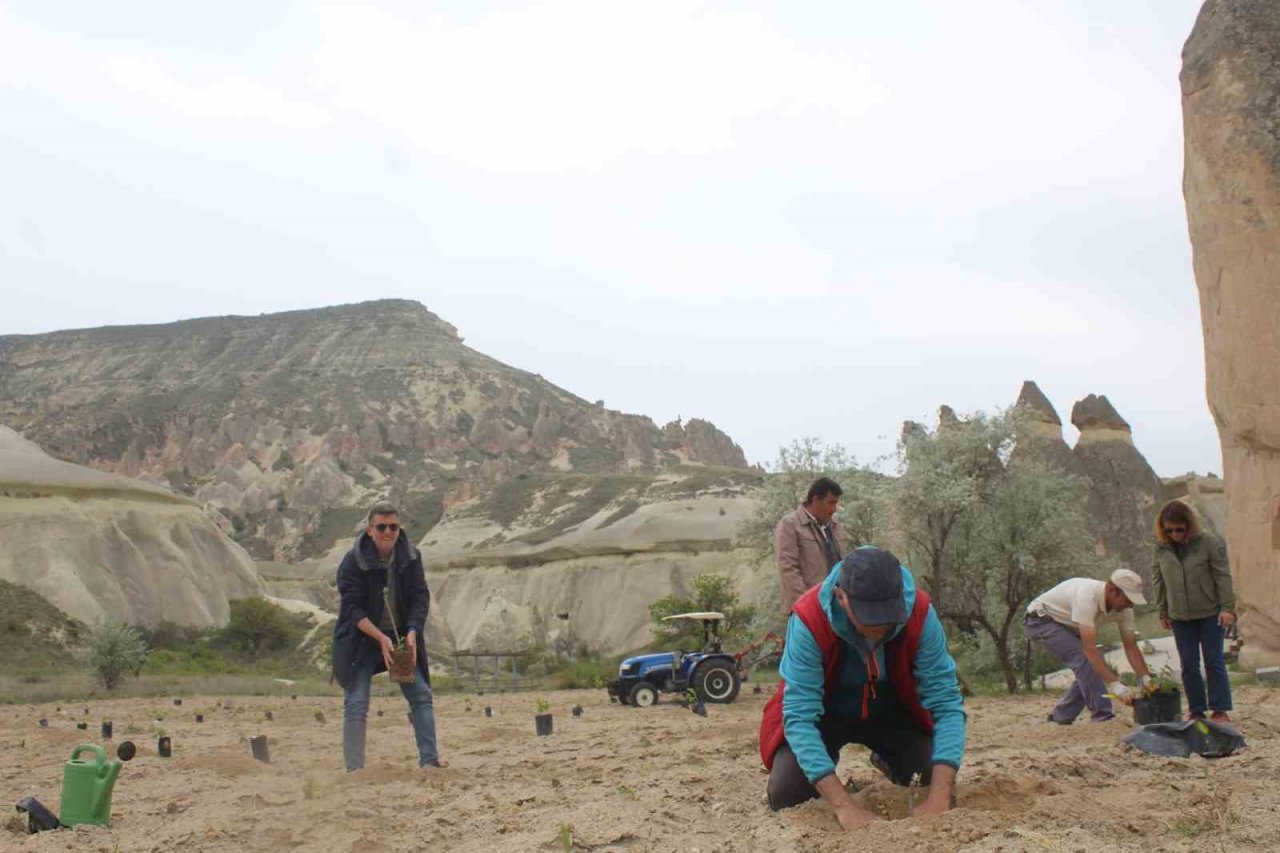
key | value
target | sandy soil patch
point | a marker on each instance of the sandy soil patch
(622, 778)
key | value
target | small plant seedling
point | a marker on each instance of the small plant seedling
(543, 705)
(626, 792)
(913, 793)
(310, 788)
(565, 835)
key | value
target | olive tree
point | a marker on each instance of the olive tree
(985, 534)
(115, 650)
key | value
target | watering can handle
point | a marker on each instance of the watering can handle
(90, 747)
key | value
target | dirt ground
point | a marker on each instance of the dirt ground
(618, 778)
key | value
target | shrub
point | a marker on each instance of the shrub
(256, 626)
(115, 650)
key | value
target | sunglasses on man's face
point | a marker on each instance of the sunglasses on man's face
(383, 528)
(1174, 531)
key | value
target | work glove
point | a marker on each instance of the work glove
(1119, 691)
(1147, 683)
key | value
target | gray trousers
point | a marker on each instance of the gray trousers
(1087, 690)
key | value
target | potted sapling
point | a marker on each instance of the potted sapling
(542, 720)
(401, 670)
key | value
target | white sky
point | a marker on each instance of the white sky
(790, 218)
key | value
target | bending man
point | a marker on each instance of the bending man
(1065, 621)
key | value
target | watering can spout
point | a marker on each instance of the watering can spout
(106, 782)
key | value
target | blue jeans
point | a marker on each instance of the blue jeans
(1192, 637)
(355, 717)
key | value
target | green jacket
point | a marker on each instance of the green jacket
(1196, 583)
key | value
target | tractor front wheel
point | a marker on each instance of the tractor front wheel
(643, 695)
(717, 681)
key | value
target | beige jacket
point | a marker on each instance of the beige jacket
(800, 555)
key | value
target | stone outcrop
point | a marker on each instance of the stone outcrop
(96, 544)
(1040, 429)
(1124, 492)
(1231, 123)
(287, 425)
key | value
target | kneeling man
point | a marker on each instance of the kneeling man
(866, 662)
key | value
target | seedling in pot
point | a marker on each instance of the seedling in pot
(165, 747)
(488, 710)
(542, 720)
(577, 710)
(402, 664)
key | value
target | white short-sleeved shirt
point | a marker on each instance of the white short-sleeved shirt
(1080, 601)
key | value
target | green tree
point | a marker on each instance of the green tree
(257, 626)
(711, 592)
(987, 535)
(862, 506)
(115, 650)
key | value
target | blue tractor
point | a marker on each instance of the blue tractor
(712, 673)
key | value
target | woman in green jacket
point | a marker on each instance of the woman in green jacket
(1192, 585)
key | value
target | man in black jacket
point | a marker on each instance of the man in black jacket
(383, 596)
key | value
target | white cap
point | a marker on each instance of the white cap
(1130, 584)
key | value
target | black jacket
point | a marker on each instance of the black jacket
(361, 581)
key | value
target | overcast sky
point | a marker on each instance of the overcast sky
(790, 218)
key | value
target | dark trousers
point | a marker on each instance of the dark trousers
(903, 747)
(1192, 637)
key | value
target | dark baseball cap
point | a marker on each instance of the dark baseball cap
(872, 578)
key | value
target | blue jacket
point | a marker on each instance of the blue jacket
(804, 702)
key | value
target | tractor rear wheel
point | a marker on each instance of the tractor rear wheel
(643, 695)
(717, 681)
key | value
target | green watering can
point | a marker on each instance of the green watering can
(86, 787)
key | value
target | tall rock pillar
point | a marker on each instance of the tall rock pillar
(1231, 122)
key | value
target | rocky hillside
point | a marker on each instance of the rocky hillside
(286, 426)
(96, 544)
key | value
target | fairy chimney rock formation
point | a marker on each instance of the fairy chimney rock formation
(1098, 420)
(1040, 429)
(1231, 183)
(1124, 492)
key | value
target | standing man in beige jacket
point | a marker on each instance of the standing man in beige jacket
(807, 543)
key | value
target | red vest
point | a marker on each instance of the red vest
(899, 655)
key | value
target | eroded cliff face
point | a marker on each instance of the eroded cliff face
(286, 426)
(1231, 123)
(96, 544)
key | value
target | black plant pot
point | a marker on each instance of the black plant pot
(106, 731)
(44, 723)
(1162, 706)
(126, 750)
(577, 710)
(199, 718)
(488, 710)
(82, 726)
(177, 701)
(164, 746)
(270, 717)
(542, 722)
(259, 747)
